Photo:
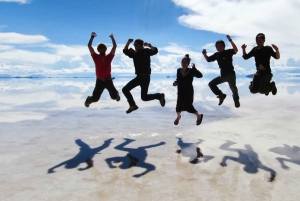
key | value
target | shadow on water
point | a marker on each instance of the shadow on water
(135, 157)
(192, 151)
(85, 155)
(247, 157)
(292, 152)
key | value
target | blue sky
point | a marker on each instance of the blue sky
(50, 37)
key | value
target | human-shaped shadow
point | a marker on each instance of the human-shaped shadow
(135, 157)
(292, 152)
(85, 155)
(247, 157)
(192, 151)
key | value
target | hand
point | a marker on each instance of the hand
(204, 51)
(193, 65)
(93, 34)
(130, 40)
(147, 44)
(275, 47)
(111, 35)
(162, 143)
(244, 46)
(228, 37)
(175, 84)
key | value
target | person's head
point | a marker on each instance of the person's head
(138, 44)
(220, 45)
(260, 39)
(185, 61)
(101, 48)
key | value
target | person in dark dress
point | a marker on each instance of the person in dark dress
(142, 63)
(184, 83)
(224, 58)
(262, 78)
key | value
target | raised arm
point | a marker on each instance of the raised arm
(277, 51)
(91, 49)
(232, 44)
(197, 73)
(154, 50)
(205, 54)
(126, 51)
(127, 44)
(113, 49)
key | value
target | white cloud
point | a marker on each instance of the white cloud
(243, 19)
(16, 1)
(16, 38)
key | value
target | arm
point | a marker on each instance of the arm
(245, 55)
(126, 50)
(113, 50)
(205, 54)
(277, 51)
(232, 44)
(208, 58)
(197, 73)
(153, 49)
(91, 49)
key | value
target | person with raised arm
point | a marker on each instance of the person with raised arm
(184, 83)
(103, 70)
(262, 78)
(224, 58)
(142, 63)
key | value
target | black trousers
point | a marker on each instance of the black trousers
(143, 82)
(185, 104)
(99, 88)
(261, 82)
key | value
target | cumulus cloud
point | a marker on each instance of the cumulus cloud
(17, 38)
(243, 19)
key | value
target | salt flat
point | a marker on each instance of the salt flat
(47, 134)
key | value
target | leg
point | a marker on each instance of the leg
(254, 86)
(114, 94)
(144, 84)
(265, 85)
(224, 164)
(147, 166)
(231, 79)
(96, 93)
(127, 88)
(213, 86)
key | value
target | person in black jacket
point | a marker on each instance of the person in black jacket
(262, 78)
(224, 58)
(142, 64)
(184, 83)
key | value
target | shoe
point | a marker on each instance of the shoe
(118, 98)
(221, 98)
(274, 89)
(198, 122)
(237, 103)
(162, 100)
(132, 108)
(86, 103)
(199, 152)
(267, 93)
(176, 122)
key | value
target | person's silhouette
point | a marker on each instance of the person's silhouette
(85, 155)
(292, 152)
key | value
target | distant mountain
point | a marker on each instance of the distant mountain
(5, 76)
(249, 76)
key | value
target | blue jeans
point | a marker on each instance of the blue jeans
(230, 78)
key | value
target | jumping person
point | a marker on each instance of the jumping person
(262, 78)
(184, 83)
(142, 64)
(224, 58)
(103, 71)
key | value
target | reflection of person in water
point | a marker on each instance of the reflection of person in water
(136, 156)
(247, 157)
(86, 153)
(292, 152)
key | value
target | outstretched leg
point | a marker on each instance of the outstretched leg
(232, 84)
(213, 86)
(225, 158)
(51, 170)
(99, 87)
(144, 84)
(127, 88)
(114, 94)
(149, 167)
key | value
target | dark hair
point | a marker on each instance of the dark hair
(260, 35)
(220, 42)
(187, 57)
(101, 45)
(139, 41)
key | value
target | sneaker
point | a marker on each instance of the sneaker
(162, 100)
(118, 98)
(274, 89)
(86, 103)
(132, 108)
(237, 103)
(221, 98)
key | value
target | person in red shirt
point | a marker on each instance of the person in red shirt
(103, 71)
